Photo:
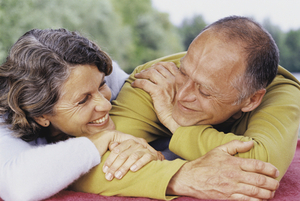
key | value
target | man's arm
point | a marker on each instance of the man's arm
(275, 134)
(273, 126)
(217, 175)
(37, 172)
(222, 176)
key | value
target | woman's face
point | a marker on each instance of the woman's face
(83, 108)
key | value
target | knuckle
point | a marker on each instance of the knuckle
(260, 180)
(139, 146)
(148, 156)
(253, 191)
(131, 141)
(134, 156)
(142, 140)
(141, 82)
(259, 165)
(123, 155)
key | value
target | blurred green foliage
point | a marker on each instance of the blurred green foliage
(131, 31)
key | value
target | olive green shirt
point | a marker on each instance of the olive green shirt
(273, 126)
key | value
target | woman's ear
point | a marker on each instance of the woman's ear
(254, 101)
(42, 121)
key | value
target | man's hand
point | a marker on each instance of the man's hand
(159, 82)
(220, 175)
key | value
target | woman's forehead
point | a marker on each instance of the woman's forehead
(83, 79)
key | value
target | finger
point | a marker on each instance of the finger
(117, 163)
(145, 159)
(236, 146)
(124, 161)
(237, 196)
(158, 154)
(146, 85)
(135, 162)
(250, 165)
(161, 157)
(259, 180)
(257, 166)
(121, 148)
(113, 145)
(124, 168)
(153, 75)
(163, 69)
(255, 192)
(170, 66)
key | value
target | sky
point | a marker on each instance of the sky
(284, 13)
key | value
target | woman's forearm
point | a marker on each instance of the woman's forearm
(36, 172)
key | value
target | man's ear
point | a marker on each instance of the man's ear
(42, 120)
(254, 101)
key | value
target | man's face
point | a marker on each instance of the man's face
(206, 93)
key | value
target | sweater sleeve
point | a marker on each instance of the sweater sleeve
(31, 172)
(116, 80)
(273, 126)
(151, 181)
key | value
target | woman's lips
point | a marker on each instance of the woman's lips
(100, 120)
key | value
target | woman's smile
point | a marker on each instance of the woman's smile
(101, 120)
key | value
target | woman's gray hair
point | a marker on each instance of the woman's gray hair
(37, 66)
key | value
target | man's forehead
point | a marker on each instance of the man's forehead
(195, 74)
(216, 82)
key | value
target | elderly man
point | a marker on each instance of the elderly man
(224, 91)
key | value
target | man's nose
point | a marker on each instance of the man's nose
(187, 91)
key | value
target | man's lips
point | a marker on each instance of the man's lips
(184, 108)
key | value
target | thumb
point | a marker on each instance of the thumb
(236, 146)
(112, 145)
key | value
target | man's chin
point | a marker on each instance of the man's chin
(184, 122)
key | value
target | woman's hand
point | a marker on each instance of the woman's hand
(128, 153)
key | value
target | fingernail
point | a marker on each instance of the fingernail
(105, 168)
(109, 176)
(273, 194)
(277, 174)
(118, 174)
(133, 168)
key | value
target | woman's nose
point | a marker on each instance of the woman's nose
(102, 104)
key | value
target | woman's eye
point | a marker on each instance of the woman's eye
(102, 84)
(83, 100)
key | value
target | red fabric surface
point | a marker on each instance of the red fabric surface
(289, 189)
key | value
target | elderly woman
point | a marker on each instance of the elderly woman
(53, 89)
